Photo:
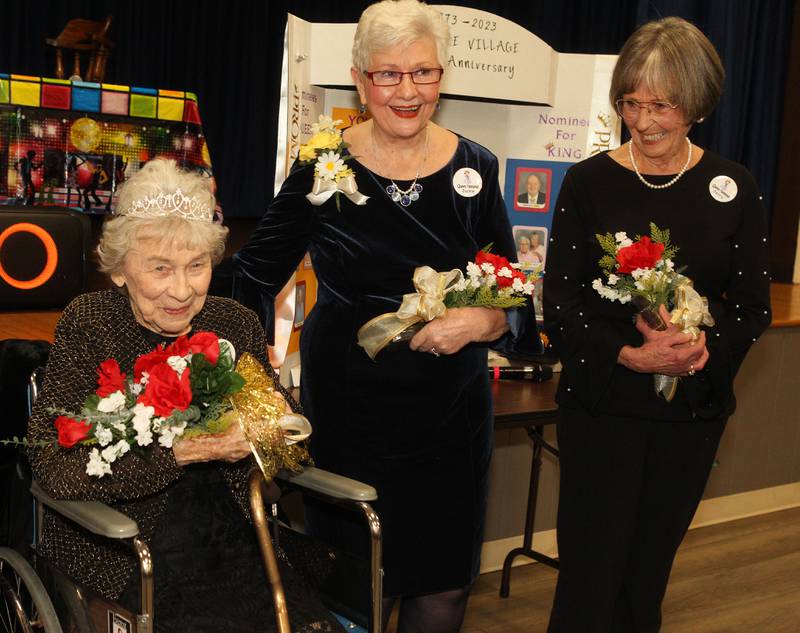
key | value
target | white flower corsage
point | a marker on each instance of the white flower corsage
(326, 149)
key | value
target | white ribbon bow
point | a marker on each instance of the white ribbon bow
(323, 189)
(691, 310)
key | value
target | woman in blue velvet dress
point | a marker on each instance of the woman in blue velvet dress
(415, 423)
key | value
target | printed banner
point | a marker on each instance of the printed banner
(73, 143)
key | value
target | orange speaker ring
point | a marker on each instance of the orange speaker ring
(49, 247)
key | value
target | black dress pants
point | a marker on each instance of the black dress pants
(629, 489)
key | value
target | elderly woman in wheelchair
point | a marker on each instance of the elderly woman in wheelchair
(189, 500)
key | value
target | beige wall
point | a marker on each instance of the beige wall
(760, 447)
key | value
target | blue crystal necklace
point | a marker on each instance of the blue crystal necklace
(404, 196)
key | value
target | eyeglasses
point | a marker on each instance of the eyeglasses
(421, 76)
(629, 108)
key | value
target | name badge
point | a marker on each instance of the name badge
(723, 188)
(467, 182)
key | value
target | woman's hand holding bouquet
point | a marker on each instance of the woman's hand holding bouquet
(450, 309)
(642, 272)
(671, 352)
(229, 446)
(459, 327)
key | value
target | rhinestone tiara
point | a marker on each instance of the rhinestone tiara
(169, 204)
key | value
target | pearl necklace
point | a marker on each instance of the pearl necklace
(666, 184)
(404, 196)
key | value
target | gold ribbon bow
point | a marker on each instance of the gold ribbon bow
(425, 304)
(259, 408)
(323, 189)
(691, 310)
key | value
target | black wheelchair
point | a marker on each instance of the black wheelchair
(38, 597)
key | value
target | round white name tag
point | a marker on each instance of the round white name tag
(723, 188)
(467, 182)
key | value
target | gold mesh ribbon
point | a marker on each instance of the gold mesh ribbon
(691, 310)
(322, 190)
(259, 407)
(424, 305)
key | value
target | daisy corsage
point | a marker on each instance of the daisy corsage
(332, 176)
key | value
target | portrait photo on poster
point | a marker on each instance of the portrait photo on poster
(299, 305)
(531, 244)
(532, 189)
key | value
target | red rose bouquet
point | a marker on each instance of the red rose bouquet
(491, 281)
(184, 389)
(642, 271)
(175, 389)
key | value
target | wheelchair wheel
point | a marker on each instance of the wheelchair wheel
(28, 608)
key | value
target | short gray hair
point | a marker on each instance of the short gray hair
(386, 24)
(673, 59)
(121, 232)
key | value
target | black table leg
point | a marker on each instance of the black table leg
(536, 434)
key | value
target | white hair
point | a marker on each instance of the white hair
(121, 232)
(386, 24)
(163, 176)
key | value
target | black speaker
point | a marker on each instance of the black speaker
(43, 253)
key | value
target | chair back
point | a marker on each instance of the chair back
(18, 360)
(84, 36)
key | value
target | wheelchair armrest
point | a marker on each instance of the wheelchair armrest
(94, 516)
(329, 484)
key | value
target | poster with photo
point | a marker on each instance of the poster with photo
(525, 204)
(531, 244)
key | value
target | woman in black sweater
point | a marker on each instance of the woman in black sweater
(633, 465)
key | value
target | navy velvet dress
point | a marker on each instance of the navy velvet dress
(416, 426)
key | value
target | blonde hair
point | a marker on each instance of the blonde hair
(675, 61)
(121, 232)
(389, 23)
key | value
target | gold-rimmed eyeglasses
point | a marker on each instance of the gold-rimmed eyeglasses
(421, 76)
(629, 108)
